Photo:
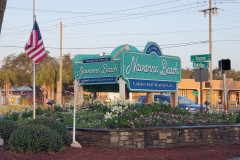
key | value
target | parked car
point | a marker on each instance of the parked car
(183, 102)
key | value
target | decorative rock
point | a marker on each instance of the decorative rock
(140, 145)
(124, 138)
(1, 142)
(123, 133)
(114, 139)
(169, 140)
(162, 135)
(169, 134)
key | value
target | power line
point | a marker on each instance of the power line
(138, 34)
(114, 19)
(101, 13)
(92, 13)
(143, 34)
(122, 11)
(225, 17)
(233, 35)
(96, 13)
(109, 47)
(167, 45)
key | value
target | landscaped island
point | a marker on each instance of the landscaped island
(130, 125)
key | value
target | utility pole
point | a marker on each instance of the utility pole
(60, 74)
(210, 11)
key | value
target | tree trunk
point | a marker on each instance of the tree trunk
(2, 10)
(58, 92)
(49, 93)
(8, 87)
(44, 91)
(52, 93)
(0, 96)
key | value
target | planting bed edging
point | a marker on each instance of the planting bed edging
(159, 137)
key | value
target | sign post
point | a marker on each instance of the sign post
(199, 63)
(224, 65)
(201, 103)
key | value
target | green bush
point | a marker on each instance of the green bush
(34, 139)
(6, 129)
(12, 115)
(27, 114)
(58, 108)
(55, 125)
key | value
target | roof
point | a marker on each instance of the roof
(22, 88)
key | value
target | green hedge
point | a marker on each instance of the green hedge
(6, 129)
(34, 139)
(55, 125)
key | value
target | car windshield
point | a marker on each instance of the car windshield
(184, 100)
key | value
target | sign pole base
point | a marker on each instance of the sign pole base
(75, 144)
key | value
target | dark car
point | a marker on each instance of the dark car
(183, 102)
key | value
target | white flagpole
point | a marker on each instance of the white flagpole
(75, 144)
(34, 85)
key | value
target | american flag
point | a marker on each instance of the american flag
(34, 47)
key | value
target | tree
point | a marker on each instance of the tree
(67, 72)
(2, 10)
(217, 75)
(235, 75)
(22, 66)
(1, 86)
(67, 75)
(46, 77)
(9, 78)
(187, 73)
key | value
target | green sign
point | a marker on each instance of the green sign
(147, 71)
(201, 58)
(200, 64)
(151, 67)
(102, 72)
(195, 93)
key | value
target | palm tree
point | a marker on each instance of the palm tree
(1, 86)
(9, 78)
(2, 10)
(46, 79)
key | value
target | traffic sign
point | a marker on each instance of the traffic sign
(200, 64)
(195, 93)
(201, 58)
(201, 75)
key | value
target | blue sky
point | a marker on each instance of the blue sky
(93, 27)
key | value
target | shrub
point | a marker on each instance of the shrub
(27, 114)
(55, 125)
(6, 129)
(34, 139)
(12, 115)
(58, 108)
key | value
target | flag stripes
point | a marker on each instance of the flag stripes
(34, 47)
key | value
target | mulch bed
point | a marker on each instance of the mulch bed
(101, 153)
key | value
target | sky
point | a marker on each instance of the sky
(92, 27)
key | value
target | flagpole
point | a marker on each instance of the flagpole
(34, 85)
(60, 72)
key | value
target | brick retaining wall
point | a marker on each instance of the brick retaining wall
(159, 137)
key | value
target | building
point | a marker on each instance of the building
(187, 86)
(18, 96)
